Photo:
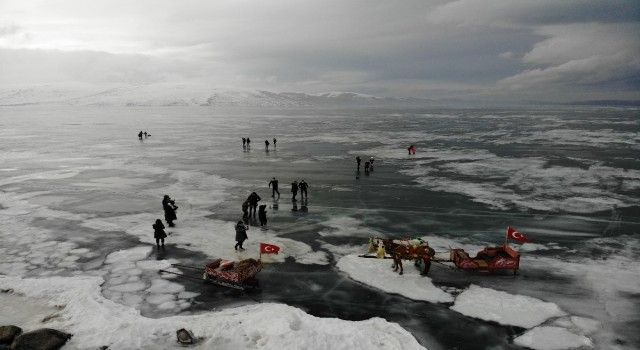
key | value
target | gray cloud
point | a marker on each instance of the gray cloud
(489, 49)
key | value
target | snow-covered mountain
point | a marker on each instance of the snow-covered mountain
(188, 95)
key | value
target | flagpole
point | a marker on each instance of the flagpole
(506, 238)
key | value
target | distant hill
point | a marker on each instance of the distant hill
(185, 95)
(608, 103)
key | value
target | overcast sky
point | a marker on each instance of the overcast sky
(550, 50)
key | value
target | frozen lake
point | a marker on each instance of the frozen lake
(77, 186)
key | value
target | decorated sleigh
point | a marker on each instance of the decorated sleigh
(234, 274)
(239, 275)
(490, 259)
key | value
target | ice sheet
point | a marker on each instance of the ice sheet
(378, 274)
(95, 322)
(504, 308)
(552, 338)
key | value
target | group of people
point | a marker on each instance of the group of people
(246, 143)
(251, 203)
(368, 165)
(296, 186)
(142, 134)
(249, 209)
(169, 206)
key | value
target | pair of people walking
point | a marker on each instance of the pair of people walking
(266, 143)
(302, 186)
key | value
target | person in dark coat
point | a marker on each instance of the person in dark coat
(294, 190)
(303, 189)
(245, 209)
(266, 144)
(244, 142)
(262, 215)
(248, 142)
(366, 167)
(274, 142)
(241, 235)
(274, 186)
(253, 200)
(169, 206)
(358, 160)
(158, 233)
(140, 135)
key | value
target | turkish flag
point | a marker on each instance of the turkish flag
(266, 248)
(515, 235)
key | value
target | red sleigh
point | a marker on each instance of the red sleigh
(490, 259)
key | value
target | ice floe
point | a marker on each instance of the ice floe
(215, 238)
(504, 308)
(95, 322)
(378, 274)
(346, 226)
(552, 338)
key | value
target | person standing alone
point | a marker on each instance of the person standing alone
(159, 234)
(241, 235)
(262, 215)
(274, 187)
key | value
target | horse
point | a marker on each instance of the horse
(407, 251)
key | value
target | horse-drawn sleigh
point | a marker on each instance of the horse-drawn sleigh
(488, 260)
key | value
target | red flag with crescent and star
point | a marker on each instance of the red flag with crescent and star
(266, 248)
(515, 235)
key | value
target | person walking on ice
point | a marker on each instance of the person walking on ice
(303, 189)
(253, 202)
(262, 215)
(294, 190)
(274, 187)
(241, 235)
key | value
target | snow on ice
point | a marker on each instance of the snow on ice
(95, 321)
(552, 338)
(378, 273)
(504, 308)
